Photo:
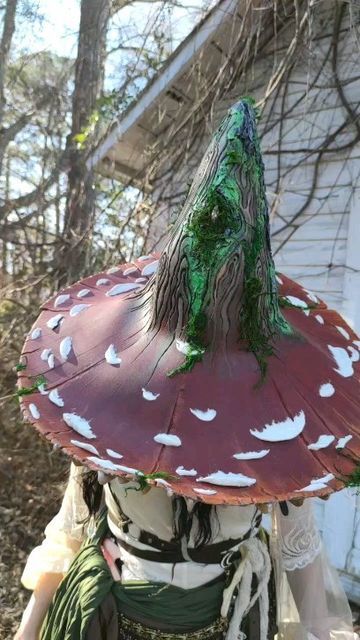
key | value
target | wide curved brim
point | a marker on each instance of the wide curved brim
(109, 402)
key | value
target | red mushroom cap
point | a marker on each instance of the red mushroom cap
(219, 435)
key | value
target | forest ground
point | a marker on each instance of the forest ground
(32, 478)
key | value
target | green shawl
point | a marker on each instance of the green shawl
(89, 580)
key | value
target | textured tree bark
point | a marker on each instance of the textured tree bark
(216, 282)
(89, 73)
(5, 44)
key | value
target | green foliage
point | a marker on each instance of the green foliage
(20, 367)
(286, 304)
(145, 480)
(353, 480)
(26, 391)
(84, 135)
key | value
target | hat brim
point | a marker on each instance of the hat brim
(215, 433)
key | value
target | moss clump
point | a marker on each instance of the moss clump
(26, 391)
(194, 334)
(353, 480)
(286, 304)
(20, 367)
(258, 342)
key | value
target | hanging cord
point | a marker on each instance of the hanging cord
(255, 560)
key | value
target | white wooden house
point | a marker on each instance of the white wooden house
(317, 104)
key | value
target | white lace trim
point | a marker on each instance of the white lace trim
(300, 545)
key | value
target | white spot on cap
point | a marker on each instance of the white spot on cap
(143, 258)
(64, 297)
(356, 343)
(284, 430)
(83, 293)
(130, 270)
(79, 424)
(205, 492)
(278, 279)
(162, 482)
(343, 332)
(150, 268)
(354, 354)
(111, 466)
(78, 308)
(320, 319)
(342, 442)
(86, 446)
(168, 440)
(326, 390)
(343, 361)
(34, 411)
(228, 479)
(327, 478)
(311, 296)
(51, 361)
(42, 389)
(148, 395)
(113, 270)
(102, 281)
(36, 333)
(313, 486)
(129, 470)
(321, 443)
(306, 312)
(113, 454)
(111, 355)
(45, 354)
(186, 472)
(55, 398)
(317, 483)
(108, 465)
(55, 321)
(66, 346)
(124, 287)
(205, 416)
(251, 455)
(141, 280)
(297, 302)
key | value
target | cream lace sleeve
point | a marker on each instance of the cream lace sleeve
(299, 537)
(310, 599)
(63, 535)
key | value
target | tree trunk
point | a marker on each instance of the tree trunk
(80, 205)
(6, 38)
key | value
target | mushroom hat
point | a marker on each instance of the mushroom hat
(202, 369)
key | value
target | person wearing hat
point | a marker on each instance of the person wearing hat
(194, 391)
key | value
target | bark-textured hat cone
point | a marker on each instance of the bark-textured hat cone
(234, 384)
